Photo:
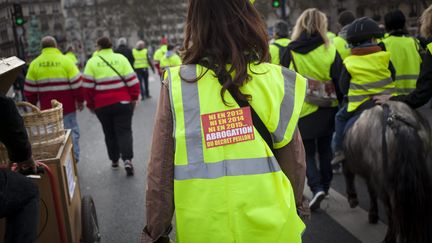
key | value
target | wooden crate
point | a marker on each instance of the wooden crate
(64, 169)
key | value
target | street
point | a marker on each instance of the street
(348, 54)
(120, 200)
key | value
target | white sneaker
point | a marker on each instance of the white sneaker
(337, 169)
(315, 202)
(129, 168)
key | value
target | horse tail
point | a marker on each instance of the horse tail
(409, 182)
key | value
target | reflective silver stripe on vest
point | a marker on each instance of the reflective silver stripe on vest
(358, 98)
(192, 116)
(287, 105)
(226, 168)
(406, 77)
(196, 167)
(377, 84)
(52, 80)
(172, 104)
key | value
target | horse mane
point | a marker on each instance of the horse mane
(403, 175)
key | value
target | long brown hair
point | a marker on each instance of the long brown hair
(222, 32)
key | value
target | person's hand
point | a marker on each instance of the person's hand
(27, 167)
(164, 239)
(133, 104)
(80, 106)
(381, 99)
(304, 210)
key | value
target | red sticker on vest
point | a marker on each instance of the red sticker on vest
(227, 127)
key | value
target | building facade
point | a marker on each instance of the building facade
(43, 17)
(149, 20)
(79, 23)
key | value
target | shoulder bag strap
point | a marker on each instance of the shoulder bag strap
(292, 60)
(258, 123)
(282, 50)
(115, 70)
(289, 55)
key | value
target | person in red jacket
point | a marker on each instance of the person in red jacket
(111, 89)
(54, 76)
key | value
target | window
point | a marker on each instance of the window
(4, 35)
(56, 9)
(58, 26)
(42, 9)
(45, 25)
(31, 9)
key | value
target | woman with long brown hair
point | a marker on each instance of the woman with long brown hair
(312, 55)
(225, 140)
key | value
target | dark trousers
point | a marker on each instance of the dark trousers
(319, 179)
(143, 77)
(116, 122)
(19, 203)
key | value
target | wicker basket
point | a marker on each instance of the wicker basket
(44, 128)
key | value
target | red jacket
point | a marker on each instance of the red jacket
(54, 76)
(103, 86)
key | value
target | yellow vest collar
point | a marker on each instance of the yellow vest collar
(108, 50)
(50, 50)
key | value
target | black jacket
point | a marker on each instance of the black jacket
(12, 132)
(127, 52)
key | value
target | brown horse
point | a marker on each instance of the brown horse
(390, 146)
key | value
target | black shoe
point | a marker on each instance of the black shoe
(129, 168)
(115, 164)
(148, 96)
(315, 202)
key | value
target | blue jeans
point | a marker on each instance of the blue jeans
(70, 122)
(143, 77)
(19, 204)
(341, 120)
(318, 180)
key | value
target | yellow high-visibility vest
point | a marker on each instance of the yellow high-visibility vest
(406, 59)
(159, 53)
(342, 47)
(235, 193)
(276, 49)
(429, 47)
(331, 35)
(54, 71)
(140, 58)
(72, 57)
(171, 61)
(97, 70)
(369, 76)
(315, 65)
(101, 77)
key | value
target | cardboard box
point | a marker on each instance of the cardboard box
(9, 70)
